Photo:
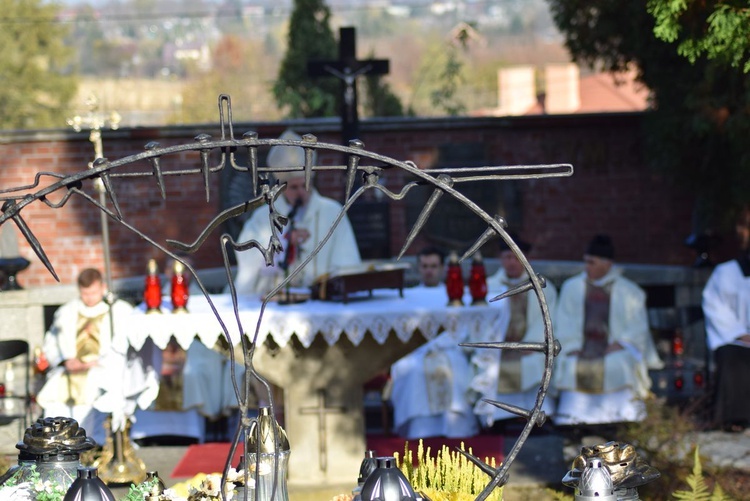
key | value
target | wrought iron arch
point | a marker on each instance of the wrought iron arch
(360, 162)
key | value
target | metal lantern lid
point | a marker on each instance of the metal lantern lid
(88, 486)
(387, 483)
(261, 434)
(595, 483)
(158, 484)
(368, 465)
(56, 438)
(626, 468)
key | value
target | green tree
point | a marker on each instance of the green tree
(309, 38)
(718, 29)
(451, 78)
(380, 101)
(37, 81)
(236, 63)
(699, 125)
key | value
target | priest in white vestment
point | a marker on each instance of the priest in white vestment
(429, 385)
(512, 376)
(312, 215)
(726, 307)
(88, 362)
(607, 348)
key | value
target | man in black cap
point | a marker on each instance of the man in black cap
(512, 376)
(607, 348)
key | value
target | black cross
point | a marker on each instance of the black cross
(347, 68)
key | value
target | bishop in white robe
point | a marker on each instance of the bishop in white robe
(312, 215)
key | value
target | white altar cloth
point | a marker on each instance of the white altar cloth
(397, 326)
(421, 309)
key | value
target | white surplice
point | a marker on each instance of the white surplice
(207, 393)
(255, 278)
(726, 305)
(626, 379)
(486, 363)
(429, 390)
(104, 387)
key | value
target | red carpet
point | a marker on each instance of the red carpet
(210, 457)
(205, 458)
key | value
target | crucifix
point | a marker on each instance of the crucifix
(347, 69)
(321, 410)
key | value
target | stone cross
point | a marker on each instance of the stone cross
(321, 410)
(347, 69)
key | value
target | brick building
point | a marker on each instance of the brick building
(612, 189)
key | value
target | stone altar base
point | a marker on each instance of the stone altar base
(323, 401)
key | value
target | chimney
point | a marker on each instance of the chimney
(563, 91)
(516, 90)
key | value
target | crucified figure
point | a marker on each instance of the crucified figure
(349, 78)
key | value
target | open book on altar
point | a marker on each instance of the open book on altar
(340, 284)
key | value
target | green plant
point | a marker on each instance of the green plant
(559, 496)
(43, 491)
(447, 477)
(664, 439)
(138, 492)
(699, 490)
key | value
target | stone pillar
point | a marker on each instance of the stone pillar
(329, 453)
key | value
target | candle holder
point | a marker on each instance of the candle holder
(51, 448)
(478, 281)
(613, 465)
(179, 293)
(267, 462)
(88, 486)
(152, 291)
(454, 281)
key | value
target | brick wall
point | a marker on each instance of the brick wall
(612, 190)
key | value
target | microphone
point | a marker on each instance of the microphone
(289, 254)
(295, 209)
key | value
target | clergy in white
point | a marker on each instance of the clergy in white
(726, 307)
(607, 348)
(512, 376)
(312, 217)
(429, 390)
(87, 360)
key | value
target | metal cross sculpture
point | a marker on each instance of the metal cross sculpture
(368, 165)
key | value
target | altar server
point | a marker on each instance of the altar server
(726, 306)
(87, 360)
(311, 216)
(431, 266)
(429, 384)
(512, 376)
(607, 348)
